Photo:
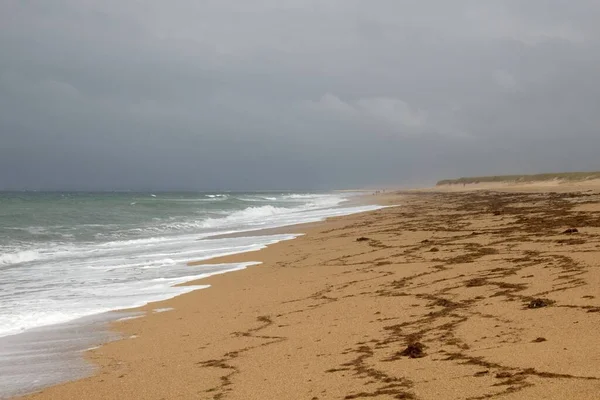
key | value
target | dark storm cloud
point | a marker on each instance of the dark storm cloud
(293, 94)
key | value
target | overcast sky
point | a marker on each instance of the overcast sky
(277, 94)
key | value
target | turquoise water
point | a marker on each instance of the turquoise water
(66, 259)
(69, 255)
(27, 218)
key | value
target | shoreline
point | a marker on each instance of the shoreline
(103, 328)
(327, 316)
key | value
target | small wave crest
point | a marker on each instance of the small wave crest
(19, 257)
(246, 215)
(301, 196)
(263, 199)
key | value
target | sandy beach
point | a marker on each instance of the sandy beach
(450, 295)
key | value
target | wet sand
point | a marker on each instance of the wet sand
(457, 295)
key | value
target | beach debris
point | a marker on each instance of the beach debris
(539, 340)
(571, 231)
(475, 282)
(444, 303)
(414, 350)
(362, 239)
(539, 303)
(425, 241)
(434, 250)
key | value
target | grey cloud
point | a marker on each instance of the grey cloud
(296, 93)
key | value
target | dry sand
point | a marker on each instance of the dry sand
(555, 185)
(472, 295)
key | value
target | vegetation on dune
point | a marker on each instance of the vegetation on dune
(563, 176)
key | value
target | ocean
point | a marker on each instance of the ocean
(69, 257)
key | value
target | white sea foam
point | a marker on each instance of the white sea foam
(95, 300)
(127, 319)
(248, 214)
(58, 282)
(19, 257)
(258, 199)
(86, 262)
(264, 215)
(70, 285)
(302, 196)
(162, 310)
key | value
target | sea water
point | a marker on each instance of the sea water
(66, 259)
